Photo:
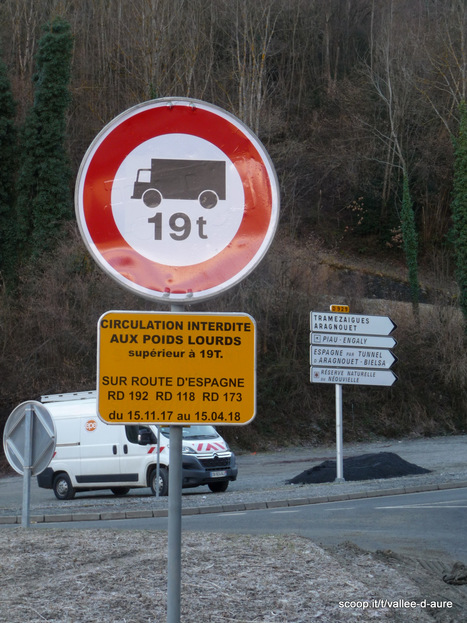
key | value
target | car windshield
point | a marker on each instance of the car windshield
(194, 432)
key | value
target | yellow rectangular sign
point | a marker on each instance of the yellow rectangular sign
(340, 309)
(176, 368)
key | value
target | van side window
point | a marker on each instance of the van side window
(132, 433)
(141, 435)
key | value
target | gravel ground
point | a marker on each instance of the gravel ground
(262, 478)
(200, 498)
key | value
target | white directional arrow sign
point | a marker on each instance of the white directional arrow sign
(351, 357)
(350, 349)
(369, 341)
(357, 324)
(344, 376)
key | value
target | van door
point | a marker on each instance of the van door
(67, 451)
(102, 446)
(139, 450)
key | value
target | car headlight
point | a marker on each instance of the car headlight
(188, 450)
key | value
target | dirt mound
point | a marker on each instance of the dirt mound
(363, 467)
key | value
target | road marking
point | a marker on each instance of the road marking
(462, 500)
(286, 511)
(234, 514)
(419, 506)
(462, 503)
(444, 503)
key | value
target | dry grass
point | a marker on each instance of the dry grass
(71, 576)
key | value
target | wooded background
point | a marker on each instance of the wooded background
(346, 95)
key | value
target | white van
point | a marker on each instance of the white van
(91, 454)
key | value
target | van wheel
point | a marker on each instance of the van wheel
(120, 490)
(163, 481)
(218, 487)
(63, 488)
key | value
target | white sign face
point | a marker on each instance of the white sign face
(344, 376)
(369, 341)
(351, 349)
(176, 199)
(179, 231)
(351, 357)
(358, 324)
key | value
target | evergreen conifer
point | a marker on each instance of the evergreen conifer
(459, 208)
(44, 195)
(410, 238)
(8, 160)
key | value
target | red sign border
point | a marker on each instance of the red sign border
(104, 240)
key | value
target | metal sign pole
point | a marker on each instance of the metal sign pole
(175, 526)
(174, 562)
(27, 467)
(339, 436)
(158, 464)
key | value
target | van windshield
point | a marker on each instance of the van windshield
(194, 432)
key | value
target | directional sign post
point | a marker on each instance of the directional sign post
(350, 349)
(354, 342)
(351, 323)
(352, 357)
(368, 341)
(384, 378)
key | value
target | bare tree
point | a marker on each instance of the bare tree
(391, 76)
(444, 84)
(254, 25)
(23, 21)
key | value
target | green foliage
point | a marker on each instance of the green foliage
(8, 159)
(459, 207)
(44, 198)
(410, 239)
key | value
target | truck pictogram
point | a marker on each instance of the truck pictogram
(203, 180)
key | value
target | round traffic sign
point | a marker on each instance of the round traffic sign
(177, 199)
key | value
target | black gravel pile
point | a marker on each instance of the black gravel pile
(363, 467)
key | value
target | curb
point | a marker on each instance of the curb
(227, 508)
